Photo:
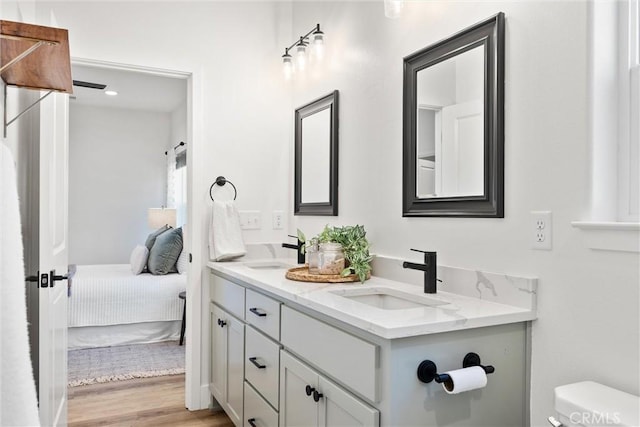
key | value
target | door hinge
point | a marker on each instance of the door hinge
(190, 257)
(44, 280)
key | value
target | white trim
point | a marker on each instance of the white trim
(627, 76)
(610, 236)
(195, 207)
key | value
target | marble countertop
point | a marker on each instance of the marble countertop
(454, 312)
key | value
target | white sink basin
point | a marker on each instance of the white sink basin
(389, 299)
(268, 265)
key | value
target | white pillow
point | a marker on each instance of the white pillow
(183, 262)
(138, 259)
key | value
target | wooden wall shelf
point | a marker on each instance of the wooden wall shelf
(46, 67)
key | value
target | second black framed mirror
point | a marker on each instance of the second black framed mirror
(453, 125)
(316, 157)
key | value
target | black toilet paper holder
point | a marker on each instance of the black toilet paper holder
(428, 371)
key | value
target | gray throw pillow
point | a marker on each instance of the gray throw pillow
(153, 236)
(165, 252)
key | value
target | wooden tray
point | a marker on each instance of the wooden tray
(301, 274)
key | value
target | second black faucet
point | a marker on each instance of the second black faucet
(299, 247)
(429, 268)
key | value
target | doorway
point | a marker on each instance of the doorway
(156, 106)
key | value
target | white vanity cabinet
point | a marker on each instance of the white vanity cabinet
(310, 399)
(279, 363)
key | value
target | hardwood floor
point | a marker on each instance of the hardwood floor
(155, 401)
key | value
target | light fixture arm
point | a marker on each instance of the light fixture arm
(302, 39)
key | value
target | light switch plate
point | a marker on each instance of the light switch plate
(250, 220)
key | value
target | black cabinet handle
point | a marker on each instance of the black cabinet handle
(317, 396)
(252, 422)
(257, 312)
(221, 323)
(309, 390)
(256, 364)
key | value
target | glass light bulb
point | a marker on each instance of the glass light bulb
(301, 56)
(318, 44)
(393, 8)
(287, 66)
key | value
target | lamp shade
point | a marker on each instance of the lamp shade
(158, 217)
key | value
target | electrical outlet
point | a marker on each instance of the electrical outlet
(250, 220)
(278, 220)
(541, 230)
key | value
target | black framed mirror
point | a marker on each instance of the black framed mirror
(453, 125)
(316, 157)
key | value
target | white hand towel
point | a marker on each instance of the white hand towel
(19, 405)
(225, 235)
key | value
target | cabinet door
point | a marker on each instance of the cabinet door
(339, 408)
(235, 368)
(218, 353)
(296, 408)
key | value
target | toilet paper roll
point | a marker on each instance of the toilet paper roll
(465, 379)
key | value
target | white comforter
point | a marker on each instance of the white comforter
(111, 295)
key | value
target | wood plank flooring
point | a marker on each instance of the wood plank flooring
(155, 401)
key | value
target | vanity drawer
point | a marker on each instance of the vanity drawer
(257, 410)
(227, 295)
(349, 359)
(263, 313)
(262, 365)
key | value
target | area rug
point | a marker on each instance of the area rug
(105, 364)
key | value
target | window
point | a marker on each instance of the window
(629, 109)
(614, 82)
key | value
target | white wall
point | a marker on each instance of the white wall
(117, 170)
(588, 301)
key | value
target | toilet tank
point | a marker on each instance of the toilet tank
(590, 404)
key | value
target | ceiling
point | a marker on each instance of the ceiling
(136, 90)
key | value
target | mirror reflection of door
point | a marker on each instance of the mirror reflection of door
(316, 157)
(450, 127)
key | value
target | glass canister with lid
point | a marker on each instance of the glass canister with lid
(331, 258)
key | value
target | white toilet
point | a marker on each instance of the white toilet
(589, 404)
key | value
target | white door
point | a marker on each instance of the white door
(218, 353)
(53, 239)
(234, 396)
(460, 157)
(339, 408)
(297, 407)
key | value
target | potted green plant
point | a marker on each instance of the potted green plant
(354, 245)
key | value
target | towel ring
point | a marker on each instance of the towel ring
(221, 181)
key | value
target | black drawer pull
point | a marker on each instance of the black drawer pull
(252, 421)
(257, 312)
(256, 364)
(317, 396)
(309, 390)
(221, 323)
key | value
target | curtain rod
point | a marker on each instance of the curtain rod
(180, 144)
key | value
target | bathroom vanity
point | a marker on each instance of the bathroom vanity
(286, 353)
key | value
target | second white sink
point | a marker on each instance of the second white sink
(267, 265)
(388, 299)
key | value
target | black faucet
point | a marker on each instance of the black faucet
(297, 247)
(429, 268)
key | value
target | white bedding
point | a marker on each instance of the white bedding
(111, 295)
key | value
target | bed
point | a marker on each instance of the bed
(109, 305)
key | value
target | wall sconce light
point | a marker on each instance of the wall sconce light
(315, 37)
(393, 8)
